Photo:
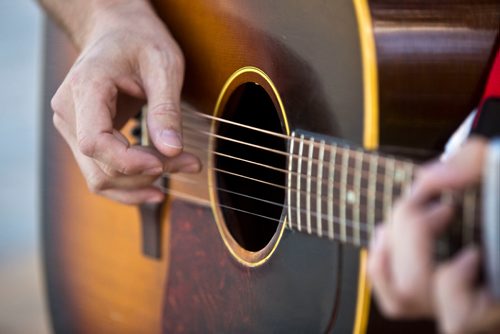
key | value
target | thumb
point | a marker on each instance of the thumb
(162, 77)
(164, 126)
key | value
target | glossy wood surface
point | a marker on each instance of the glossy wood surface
(97, 279)
(433, 59)
(313, 78)
(99, 282)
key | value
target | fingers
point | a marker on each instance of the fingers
(100, 94)
(183, 163)
(401, 262)
(95, 106)
(460, 306)
(405, 279)
(413, 234)
(379, 272)
(460, 171)
(135, 196)
(162, 74)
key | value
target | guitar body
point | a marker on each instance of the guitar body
(397, 77)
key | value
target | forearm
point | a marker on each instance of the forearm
(80, 18)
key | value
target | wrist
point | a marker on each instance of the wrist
(102, 16)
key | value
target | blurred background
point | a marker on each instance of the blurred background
(22, 299)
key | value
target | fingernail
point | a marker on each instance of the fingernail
(192, 168)
(155, 199)
(153, 171)
(171, 138)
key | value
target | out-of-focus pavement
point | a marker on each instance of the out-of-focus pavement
(22, 299)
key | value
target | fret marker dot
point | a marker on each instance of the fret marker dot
(399, 175)
(351, 197)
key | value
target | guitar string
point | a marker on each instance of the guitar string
(403, 164)
(349, 169)
(379, 157)
(362, 191)
(349, 223)
(339, 147)
(311, 194)
(196, 114)
(365, 175)
(362, 240)
(314, 195)
(314, 230)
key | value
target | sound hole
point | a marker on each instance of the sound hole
(251, 196)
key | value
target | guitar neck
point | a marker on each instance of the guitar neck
(341, 193)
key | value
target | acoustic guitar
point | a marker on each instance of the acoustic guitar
(309, 117)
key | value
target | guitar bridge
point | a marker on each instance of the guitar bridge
(150, 213)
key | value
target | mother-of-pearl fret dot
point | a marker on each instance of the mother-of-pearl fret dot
(399, 175)
(351, 196)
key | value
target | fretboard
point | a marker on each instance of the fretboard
(341, 193)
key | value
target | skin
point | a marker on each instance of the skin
(121, 66)
(407, 282)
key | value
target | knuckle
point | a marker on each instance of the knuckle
(112, 169)
(96, 183)
(123, 167)
(86, 145)
(395, 306)
(102, 88)
(127, 201)
(168, 108)
(451, 327)
(408, 294)
(57, 121)
(98, 84)
(56, 103)
(393, 310)
(108, 170)
(176, 59)
(167, 56)
(124, 170)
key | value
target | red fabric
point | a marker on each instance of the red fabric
(492, 86)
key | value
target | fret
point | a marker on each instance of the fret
(357, 199)
(372, 189)
(343, 190)
(317, 174)
(319, 188)
(290, 172)
(350, 218)
(331, 180)
(308, 185)
(299, 177)
(388, 184)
